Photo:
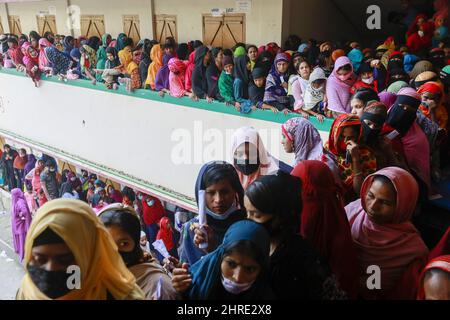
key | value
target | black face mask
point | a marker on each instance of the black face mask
(246, 168)
(51, 283)
(371, 135)
(131, 258)
(401, 120)
(395, 64)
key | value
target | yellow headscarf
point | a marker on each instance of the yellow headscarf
(95, 252)
(126, 59)
(156, 55)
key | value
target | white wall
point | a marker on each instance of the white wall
(4, 17)
(128, 134)
(28, 11)
(113, 10)
(263, 23)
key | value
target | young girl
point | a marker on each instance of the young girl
(277, 85)
(314, 97)
(299, 82)
(87, 62)
(31, 198)
(32, 66)
(366, 79)
(111, 72)
(226, 81)
(177, 78)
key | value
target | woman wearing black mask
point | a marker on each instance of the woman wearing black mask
(372, 120)
(413, 142)
(397, 74)
(223, 205)
(395, 61)
(296, 270)
(122, 222)
(68, 245)
(250, 157)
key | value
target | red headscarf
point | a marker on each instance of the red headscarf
(394, 247)
(152, 214)
(413, 28)
(338, 147)
(189, 70)
(324, 223)
(434, 88)
(442, 263)
(16, 54)
(165, 233)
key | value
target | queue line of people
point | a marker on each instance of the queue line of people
(307, 230)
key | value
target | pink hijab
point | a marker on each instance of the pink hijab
(189, 71)
(338, 91)
(177, 70)
(392, 247)
(25, 47)
(268, 163)
(43, 62)
(417, 152)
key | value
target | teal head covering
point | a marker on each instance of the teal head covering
(206, 273)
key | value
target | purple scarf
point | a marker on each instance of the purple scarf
(162, 77)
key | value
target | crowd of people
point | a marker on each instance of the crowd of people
(312, 230)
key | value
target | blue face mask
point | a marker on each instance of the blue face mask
(234, 287)
(150, 203)
(224, 215)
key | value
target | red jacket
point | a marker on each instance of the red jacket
(152, 214)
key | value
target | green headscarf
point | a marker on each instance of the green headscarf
(240, 51)
(397, 86)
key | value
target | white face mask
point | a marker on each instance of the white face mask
(224, 215)
(368, 81)
(233, 287)
(421, 33)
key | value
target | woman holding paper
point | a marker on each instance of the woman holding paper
(223, 206)
(123, 224)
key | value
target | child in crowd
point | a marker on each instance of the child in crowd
(366, 79)
(314, 96)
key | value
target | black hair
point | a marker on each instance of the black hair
(346, 67)
(197, 43)
(366, 95)
(128, 192)
(128, 42)
(128, 223)
(292, 42)
(48, 236)
(228, 52)
(385, 180)
(237, 45)
(251, 46)
(301, 61)
(247, 249)
(34, 35)
(49, 36)
(278, 195)
(223, 171)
